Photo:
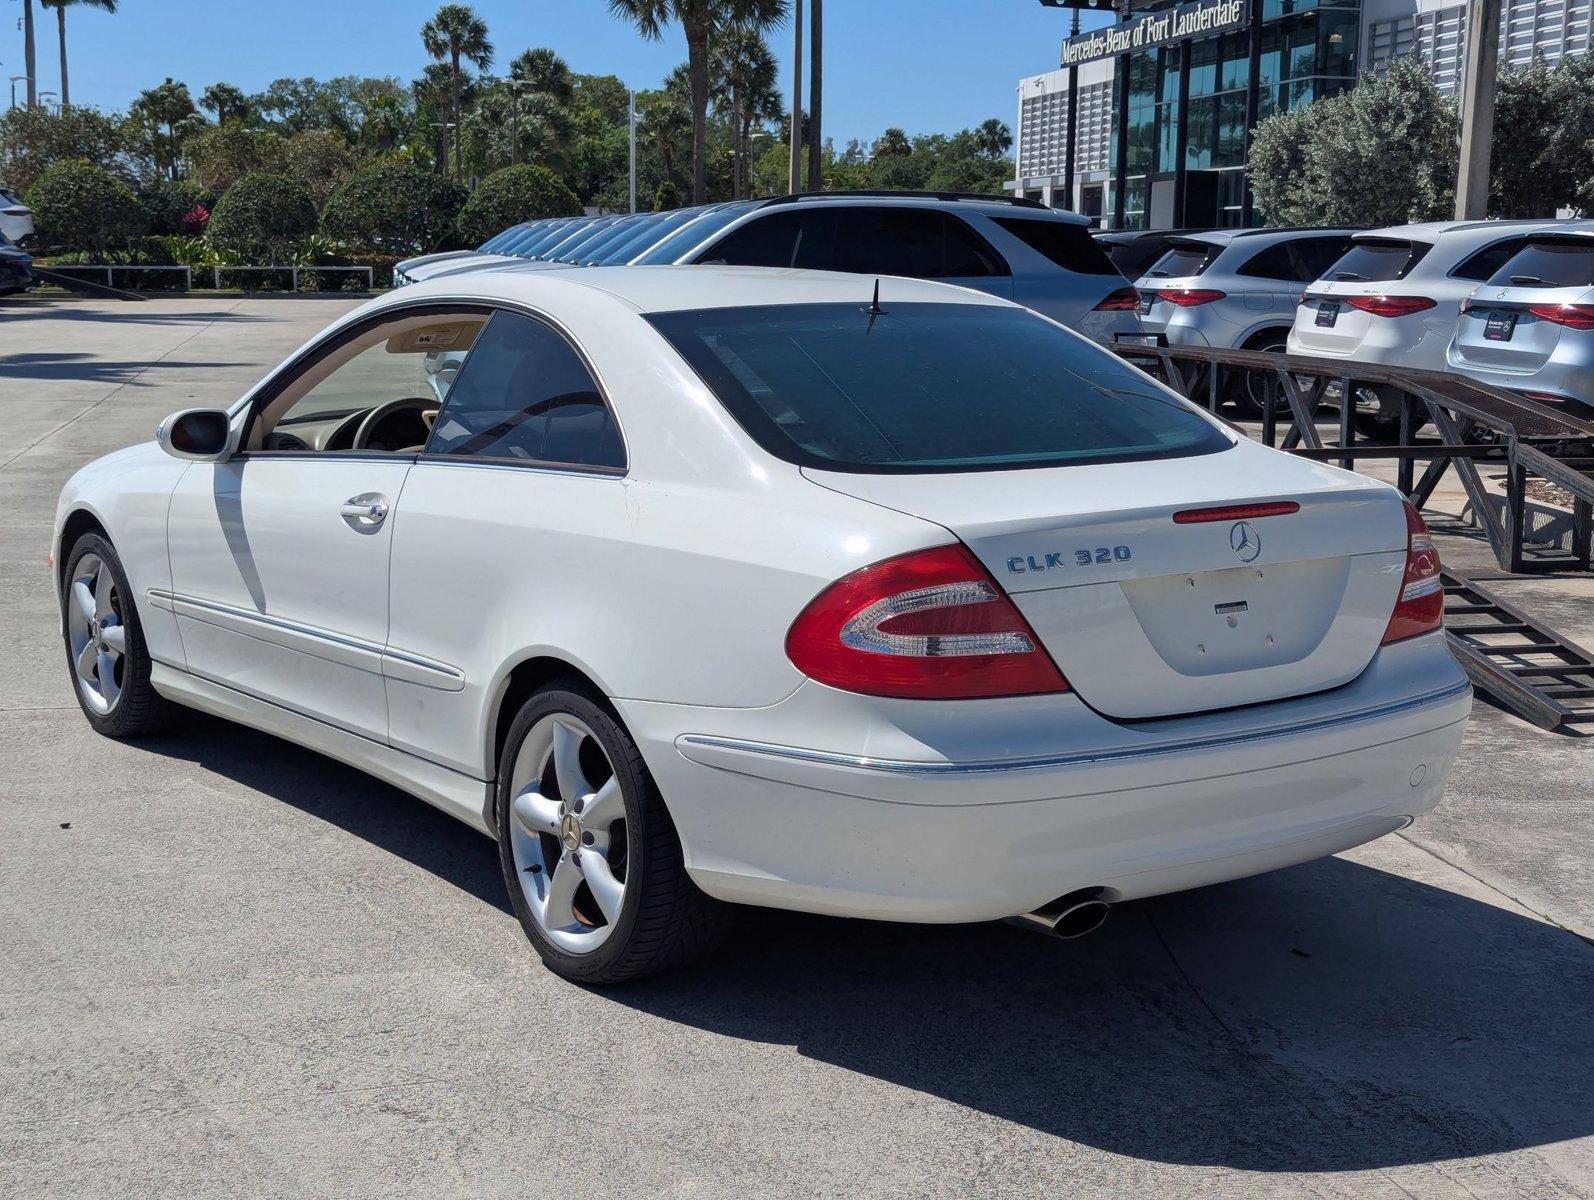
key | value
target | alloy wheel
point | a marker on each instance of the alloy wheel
(568, 833)
(97, 634)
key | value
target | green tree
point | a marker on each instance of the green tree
(394, 208)
(33, 138)
(744, 68)
(60, 7)
(666, 197)
(1549, 113)
(993, 138)
(1382, 153)
(319, 160)
(513, 195)
(702, 21)
(220, 155)
(893, 143)
(80, 206)
(456, 33)
(262, 214)
(225, 102)
(544, 72)
(162, 117)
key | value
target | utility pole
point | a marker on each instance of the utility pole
(1073, 127)
(796, 166)
(816, 141)
(1477, 109)
(28, 55)
(630, 105)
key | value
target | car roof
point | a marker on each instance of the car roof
(1433, 231)
(672, 288)
(985, 205)
(1228, 237)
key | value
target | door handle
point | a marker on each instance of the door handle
(368, 508)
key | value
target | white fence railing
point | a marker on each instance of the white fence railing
(109, 271)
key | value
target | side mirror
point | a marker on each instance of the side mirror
(200, 434)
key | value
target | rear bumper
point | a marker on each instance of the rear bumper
(975, 811)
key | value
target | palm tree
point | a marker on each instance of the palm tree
(544, 71)
(29, 63)
(702, 21)
(745, 68)
(993, 138)
(455, 32)
(226, 101)
(816, 89)
(60, 7)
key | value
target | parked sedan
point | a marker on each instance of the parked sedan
(1394, 298)
(1236, 289)
(697, 587)
(1530, 328)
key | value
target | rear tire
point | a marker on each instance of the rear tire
(1247, 389)
(105, 650)
(1383, 424)
(589, 853)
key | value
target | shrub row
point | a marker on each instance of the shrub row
(386, 210)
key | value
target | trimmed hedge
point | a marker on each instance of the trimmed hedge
(394, 208)
(262, 214)
(513, 195)
(78, 206)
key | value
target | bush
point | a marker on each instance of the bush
(666, 197)
(78, 206)
(167, 203)
(513, 195)
(394, 208)
(220, 155)
(262, 214)
(319, 159)
(33, 139)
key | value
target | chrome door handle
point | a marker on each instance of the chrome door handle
(369, 509)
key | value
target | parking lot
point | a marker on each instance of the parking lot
(231, 966)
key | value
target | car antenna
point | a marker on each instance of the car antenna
(874, 310)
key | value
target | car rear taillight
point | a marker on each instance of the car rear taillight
(1188, 297)
(1573, 316)
(1390, 306)
(1125, 299)
(929, 625)
(1421, 606)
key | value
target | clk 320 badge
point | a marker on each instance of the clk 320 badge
(1024, 564)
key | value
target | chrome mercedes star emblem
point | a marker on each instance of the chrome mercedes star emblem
(570, 832)
(1245, 541)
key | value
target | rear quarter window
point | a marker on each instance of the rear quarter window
(1067, 245)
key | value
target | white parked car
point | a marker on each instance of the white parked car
(709, 586)
(16, 218)
(1394, 298)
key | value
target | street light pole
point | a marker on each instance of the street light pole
(630, 107)
(795, 173)
(1477, 109)
(27, 51)
(816, 148)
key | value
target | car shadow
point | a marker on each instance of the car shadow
(1329, 1017)
(17, 308)
(86, 368)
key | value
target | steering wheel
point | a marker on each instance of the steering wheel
(373, 419)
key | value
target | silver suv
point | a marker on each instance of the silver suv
(1236, 289)
(1017, 249)
(1530, 328)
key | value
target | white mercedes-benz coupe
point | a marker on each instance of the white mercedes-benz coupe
(697, 587)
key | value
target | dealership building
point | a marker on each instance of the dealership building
(1163, 101)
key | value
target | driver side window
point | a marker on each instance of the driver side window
(379, 391)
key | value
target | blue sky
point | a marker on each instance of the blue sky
(926, 65)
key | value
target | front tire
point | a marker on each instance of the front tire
(105, 649)
(589, 853)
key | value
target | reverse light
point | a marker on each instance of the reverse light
(1391, 306)
(1421, 606)
(1125, 299)
(930, 625)
(1235, 512)
(1573, 316)
(1188, 297)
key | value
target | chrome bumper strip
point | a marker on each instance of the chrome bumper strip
(995, 766)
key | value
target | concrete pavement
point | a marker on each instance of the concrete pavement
(231, 967)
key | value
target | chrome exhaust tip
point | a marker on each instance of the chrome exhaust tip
(1070, 916)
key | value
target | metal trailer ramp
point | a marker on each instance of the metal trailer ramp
(1523, 663)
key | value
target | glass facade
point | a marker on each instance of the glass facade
(1308, 50)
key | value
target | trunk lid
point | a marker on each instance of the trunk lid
(1147, 617)
(1326, 324)
(1497, 332)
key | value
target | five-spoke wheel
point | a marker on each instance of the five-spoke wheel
(105, 648)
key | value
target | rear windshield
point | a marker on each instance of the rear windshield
(1549, 264)
(1376, 261)
(1068, 245)
(929, 387)
(1184, 259)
